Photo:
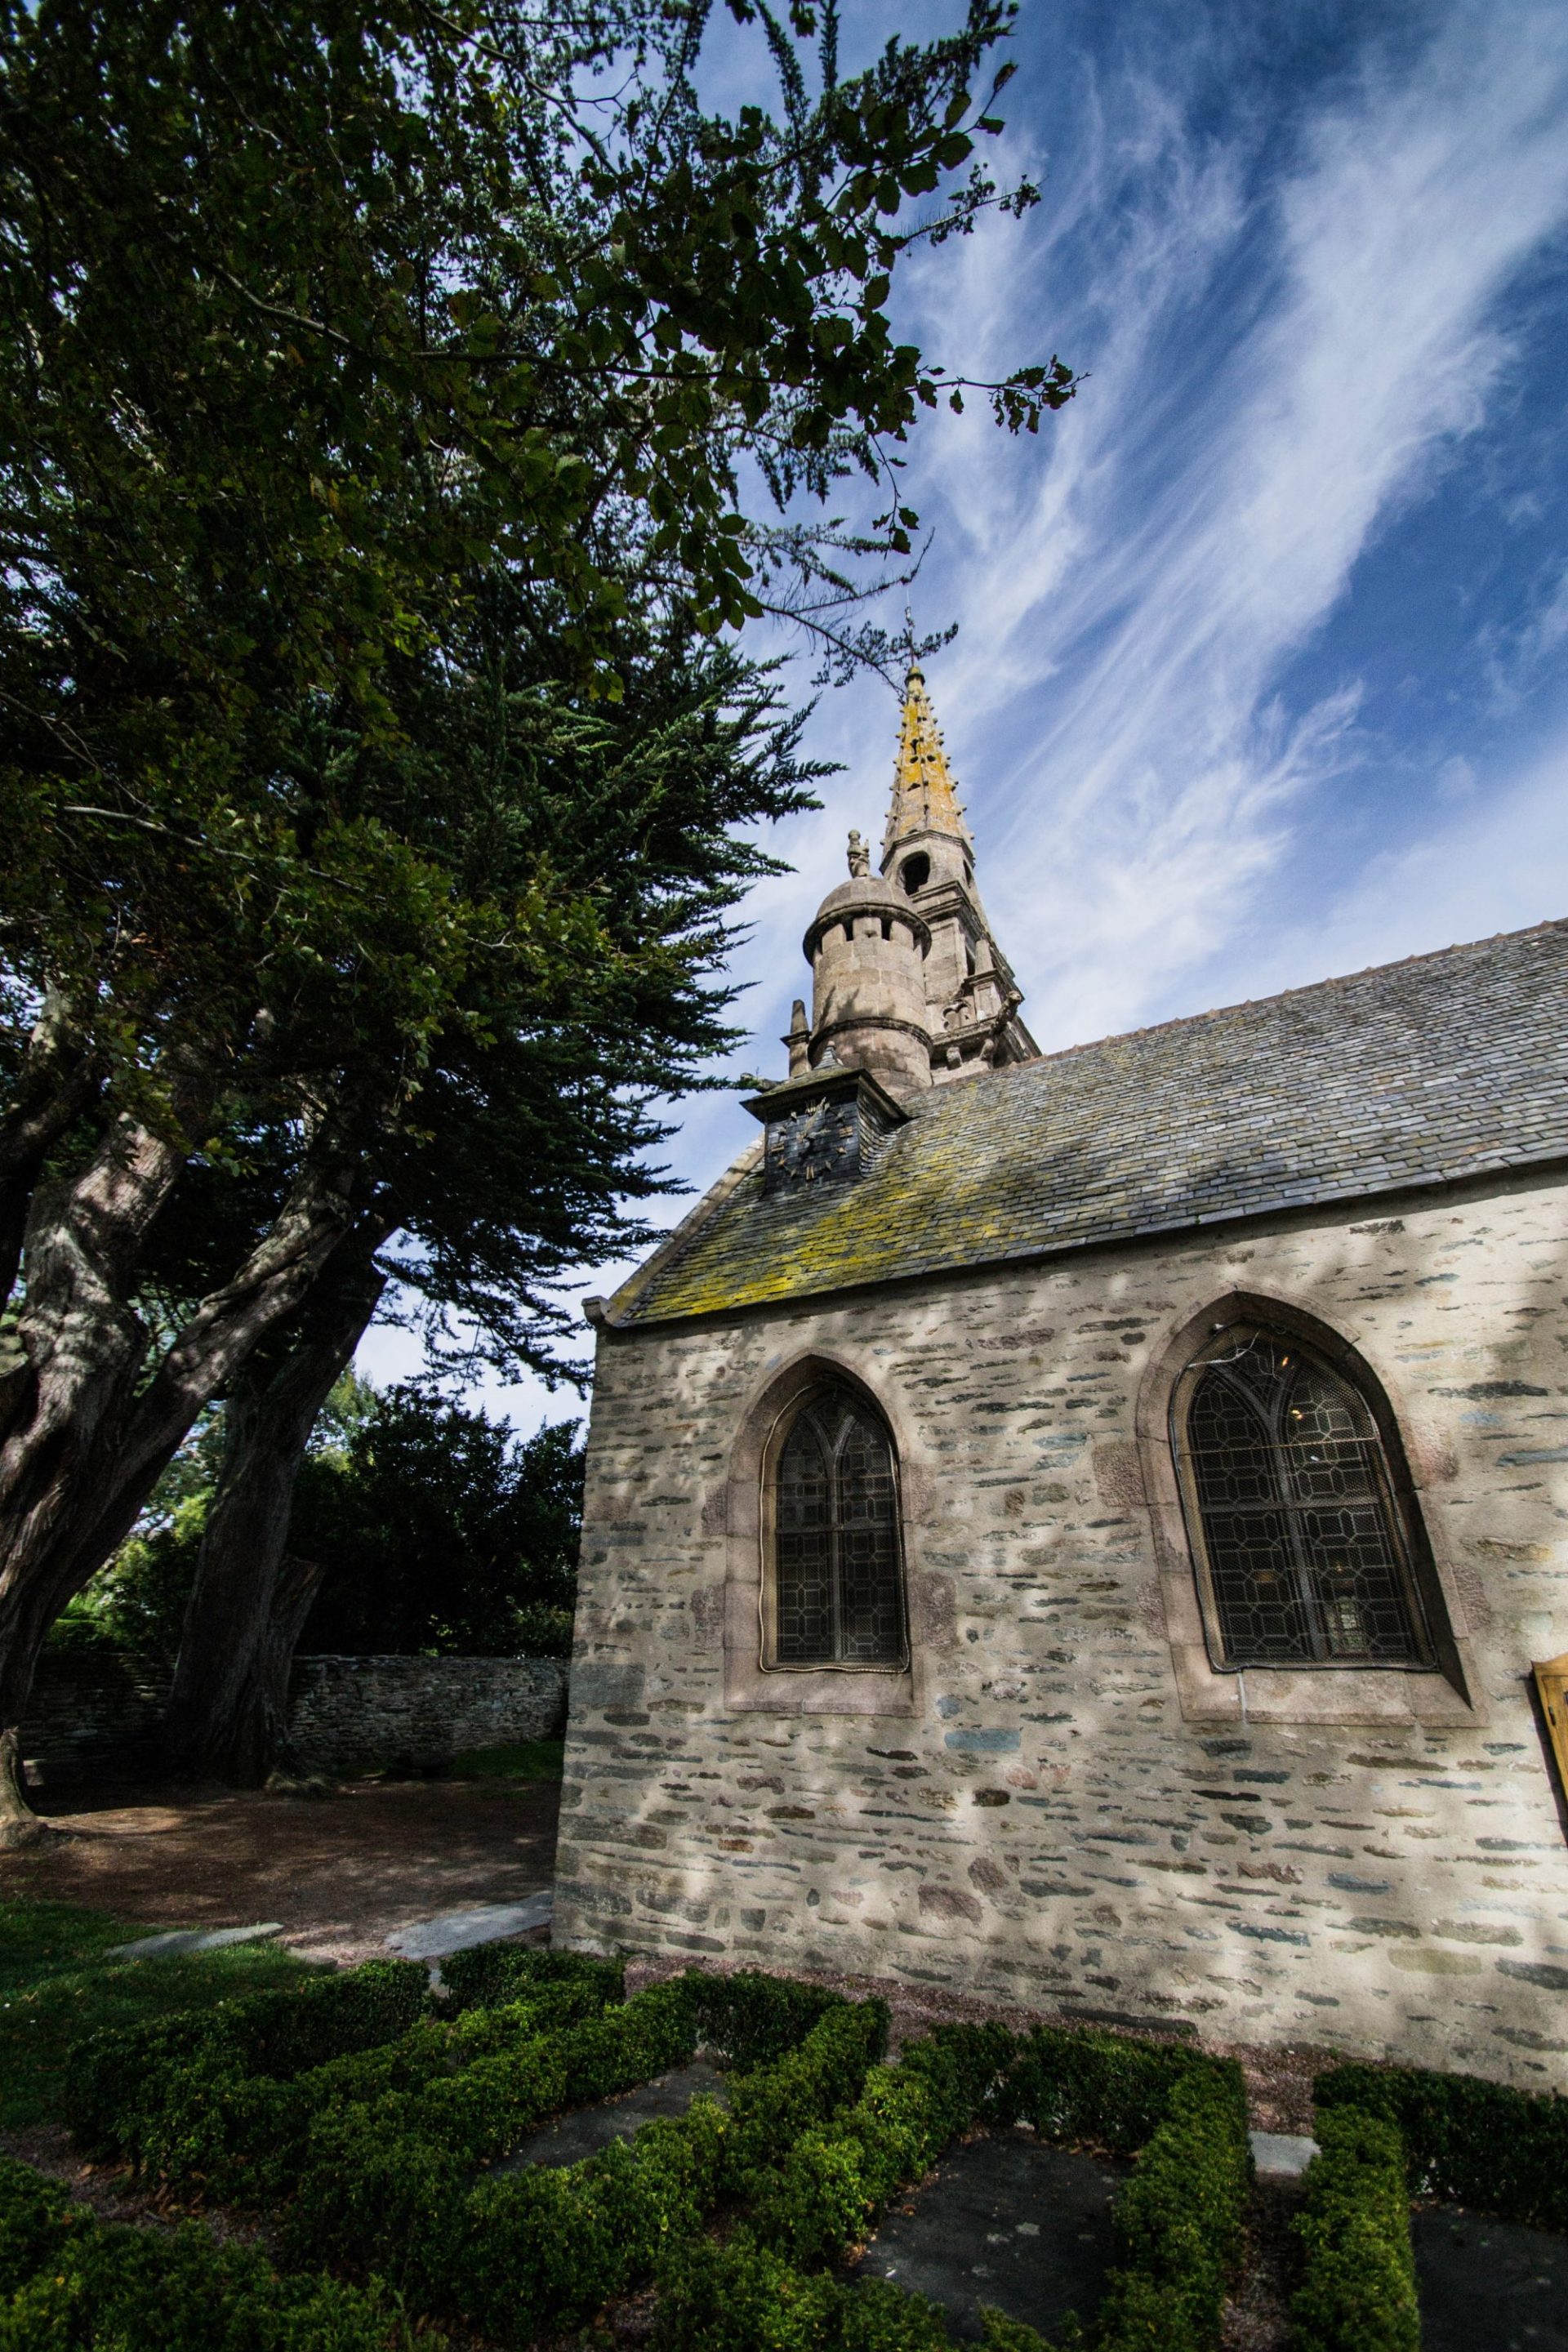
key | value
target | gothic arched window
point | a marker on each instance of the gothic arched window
(1295, 1514)
(835, 1596)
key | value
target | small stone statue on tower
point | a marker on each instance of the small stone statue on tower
(860, 857)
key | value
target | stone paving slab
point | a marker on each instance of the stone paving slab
(1488, 2286)
(587, 2129)
(1006, 2222)
(458, 1931)
(1282, 2156)
(177, 1941)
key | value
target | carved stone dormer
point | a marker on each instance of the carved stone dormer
(823, 1127)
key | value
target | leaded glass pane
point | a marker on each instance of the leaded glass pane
(838, 1592)
(871, 1632)
(1297, 1514)
(804, 1596)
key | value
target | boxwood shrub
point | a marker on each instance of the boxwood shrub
(1502, 2151)
(117, 2079)
(545, 2249)
(490, 1974)
(67, 2280)
(1178, 2221)
(1358, 2284)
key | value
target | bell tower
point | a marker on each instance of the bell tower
(972, 999)
(865, 947)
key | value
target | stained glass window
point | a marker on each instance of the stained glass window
(838, 1590)
(1305, 1542)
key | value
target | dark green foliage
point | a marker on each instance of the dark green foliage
(68, 2284)
(488, 1973)
(547, 2248)
(383, 2182)
(835, 2180)
(58, 1986)
(749, 2019)
(1096, 2088)
(243, 2136)
(1179, 2221)
(517, 1759)
(1358, 2288)
(119, 2082)
(32, 2213)
(770, 2107)
(420, 1480)
(1481, 2143)
(743, 2297)
(544, 2249)
(376, 2147)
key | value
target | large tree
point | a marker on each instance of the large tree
(333, 335)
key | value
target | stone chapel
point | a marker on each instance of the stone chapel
(1078, 1528)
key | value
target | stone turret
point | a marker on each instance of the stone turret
(867, 947)
(928, 857)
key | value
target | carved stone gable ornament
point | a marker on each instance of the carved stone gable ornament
(820, 1126)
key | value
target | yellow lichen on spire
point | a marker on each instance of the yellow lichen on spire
(925, 800)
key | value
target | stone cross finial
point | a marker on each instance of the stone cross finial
(860, 857)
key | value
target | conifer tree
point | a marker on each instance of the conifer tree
(334, 336)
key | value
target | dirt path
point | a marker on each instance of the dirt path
(340, 1872)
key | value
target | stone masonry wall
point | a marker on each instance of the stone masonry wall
(1067, 1811)
(91, 1716)
(347, 1713)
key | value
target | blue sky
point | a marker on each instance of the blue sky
(1262, 669)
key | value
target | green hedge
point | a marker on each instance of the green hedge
(744, 2298)
(116, 2080)
(383, 2181)
(835, 2180)
(1481, 2143)
(220, 2107)
(1099, 2088)
(243, 2137)
(69, 2282)
(749, 2019)
(545, 2249)
(1358, 2286)
(1178, 2221)
(488, 1975)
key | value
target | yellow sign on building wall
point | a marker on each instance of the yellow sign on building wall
(1552, 1682)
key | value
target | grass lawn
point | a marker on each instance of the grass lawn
(525, 1760)
(55, 1984)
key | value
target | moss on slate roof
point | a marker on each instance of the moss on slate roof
(1442, 1067)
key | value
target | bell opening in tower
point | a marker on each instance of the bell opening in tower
(915, 872)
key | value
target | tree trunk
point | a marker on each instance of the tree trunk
(227, 1707)
(19, 1824)
(84, 1438)
(299, 1581)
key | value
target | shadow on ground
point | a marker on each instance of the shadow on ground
(1490, 2287)
(1006, 2222)
(340, 1873)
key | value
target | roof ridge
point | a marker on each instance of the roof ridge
(1307, 988)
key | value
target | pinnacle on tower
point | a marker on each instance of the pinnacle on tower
(925, 800)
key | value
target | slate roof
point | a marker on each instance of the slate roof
(1443, 1067)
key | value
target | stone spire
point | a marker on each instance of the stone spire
(923, 799)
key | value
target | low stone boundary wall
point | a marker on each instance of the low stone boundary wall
(92, 1718)
(347, 1713)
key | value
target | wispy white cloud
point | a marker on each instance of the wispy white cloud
(1141, 595)
(1499, 863)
